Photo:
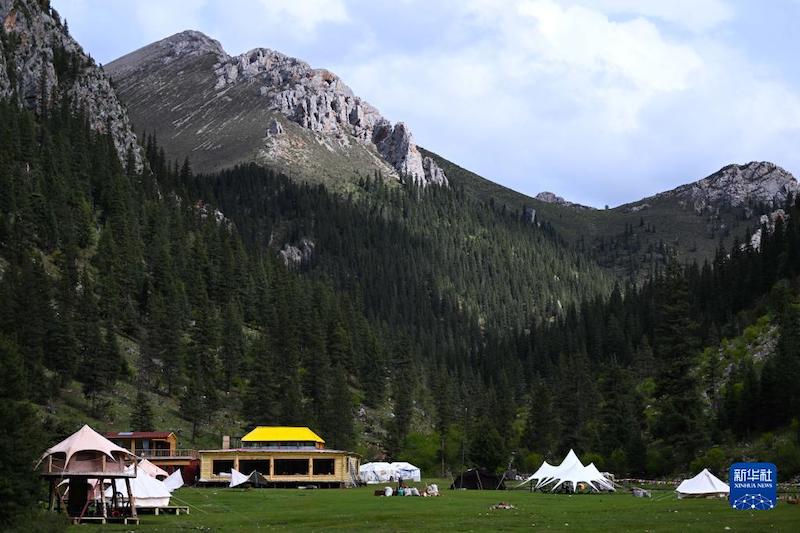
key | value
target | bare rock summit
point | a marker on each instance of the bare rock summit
(199, 99)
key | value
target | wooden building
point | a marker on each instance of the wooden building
(160, 448)
(285, 457)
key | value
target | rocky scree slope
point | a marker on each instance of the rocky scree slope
(262, 106)
(40, 61)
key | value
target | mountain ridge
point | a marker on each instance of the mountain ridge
(284, 90)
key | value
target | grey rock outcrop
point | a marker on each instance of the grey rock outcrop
(552, 198)
(41, 43)
(297, 255)
(738, 186)
(315, 99)
(318, 100)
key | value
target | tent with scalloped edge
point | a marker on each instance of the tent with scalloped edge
(571, 474)
(704, 484)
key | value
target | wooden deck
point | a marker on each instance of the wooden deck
(167, 509)
(104, 520)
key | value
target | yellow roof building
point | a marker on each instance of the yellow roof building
(282, 436)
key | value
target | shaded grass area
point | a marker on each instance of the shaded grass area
(218, 509)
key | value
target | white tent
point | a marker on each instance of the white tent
(148, 491)
(377, 472)
(541, 474)
(703, 484)
(572, 472)
(237, 478)
(153, 470)
(174, 481)
(88, 440)
(406, 471)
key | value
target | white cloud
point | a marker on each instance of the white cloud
(304, 15)
(694, 15)
(567, 96)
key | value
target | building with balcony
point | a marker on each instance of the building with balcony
(284, 456)
(160, 448)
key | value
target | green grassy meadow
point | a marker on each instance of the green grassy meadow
(221, 509)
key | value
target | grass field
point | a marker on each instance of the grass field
(358, 510)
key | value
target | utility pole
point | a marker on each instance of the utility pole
(463, 446)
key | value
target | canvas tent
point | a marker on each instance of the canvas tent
(174, 481)
(238, 479)
(376, 472)
(570, 474)
(476, 479)
(703, 484)
(153, 470)
(406, 471)
(86, 452)
(147, 490)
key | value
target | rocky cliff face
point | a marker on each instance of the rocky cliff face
(743, 186)
(40, 61)
(315, 99)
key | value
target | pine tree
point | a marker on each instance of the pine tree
(679, 419)
(142, 412)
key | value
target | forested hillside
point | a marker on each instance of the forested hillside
(430, 324)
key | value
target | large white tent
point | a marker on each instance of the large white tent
(380, 472)
(703, 484)
(377, 472)
(148, 491)
(406, 471)
(570, 473)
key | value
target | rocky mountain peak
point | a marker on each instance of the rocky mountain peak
(315, 99)
(757, 182)
(39, 61)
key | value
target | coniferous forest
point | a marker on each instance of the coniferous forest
(417, 323)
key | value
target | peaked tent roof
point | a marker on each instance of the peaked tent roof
(152, 470)
(174, 481)
(703, 483)
(237, 478)
(282, 433)
(85, 439)
(570, 470)
(543, 472)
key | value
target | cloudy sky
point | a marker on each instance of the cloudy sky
(600, 101)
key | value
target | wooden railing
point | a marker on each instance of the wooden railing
(163, 453)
